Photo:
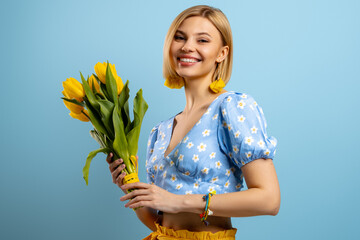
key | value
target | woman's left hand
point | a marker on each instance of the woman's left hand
(149, 195)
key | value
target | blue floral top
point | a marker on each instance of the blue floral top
(230, 134)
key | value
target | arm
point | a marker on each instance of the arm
(261, 198)
(146, 215)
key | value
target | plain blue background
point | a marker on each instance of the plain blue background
(298, 59)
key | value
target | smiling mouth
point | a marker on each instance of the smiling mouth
(188, 60)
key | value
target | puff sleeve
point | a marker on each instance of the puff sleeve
(149, 151)
(242, 130)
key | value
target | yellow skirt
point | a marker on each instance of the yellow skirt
(164, 233)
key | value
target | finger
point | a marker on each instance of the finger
(135, 185)
(119, 179)
(115, 164)
(109, 157)
(138, 199)
(141, 204)
(117, 172)
(134, 194)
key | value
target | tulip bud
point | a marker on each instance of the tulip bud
(73, 107)
(119, 84)
(92, 80)
(100, 70)
(73, 89)
(81, 116)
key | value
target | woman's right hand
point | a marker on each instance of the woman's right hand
(115, 169)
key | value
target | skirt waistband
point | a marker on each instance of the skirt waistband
(164, 233)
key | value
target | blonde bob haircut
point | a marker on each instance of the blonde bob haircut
(219, 20)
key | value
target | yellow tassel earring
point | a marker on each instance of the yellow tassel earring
(217, 85)
(174, 83)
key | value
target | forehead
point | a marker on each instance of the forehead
(196, 25)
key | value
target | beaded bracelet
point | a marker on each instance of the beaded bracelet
(207, 212)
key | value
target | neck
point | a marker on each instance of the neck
(198, 94)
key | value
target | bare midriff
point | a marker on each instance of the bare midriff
(191, 222)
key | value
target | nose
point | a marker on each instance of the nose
(188, 46)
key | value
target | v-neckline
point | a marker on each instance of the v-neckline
(172, 119)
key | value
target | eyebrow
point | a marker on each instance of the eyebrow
(199, 33)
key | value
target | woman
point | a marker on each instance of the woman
(216, 141)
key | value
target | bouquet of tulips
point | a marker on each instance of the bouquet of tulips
(102, 99)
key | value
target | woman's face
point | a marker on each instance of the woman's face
(196, 48)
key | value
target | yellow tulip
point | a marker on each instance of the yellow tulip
(100, 70)
(73, 107)
(92, 80)
(119, 84)
(81, 116)
(73, 89)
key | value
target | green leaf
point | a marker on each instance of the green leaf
(106, 110)
(88, 162)
(120, 144)
(74, 101)
(103, 91)
(140, 107)
(96, 119)
(124, 106)
(111, 85)
(89, 93)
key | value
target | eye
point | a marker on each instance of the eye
(178, 37)
(203, 40)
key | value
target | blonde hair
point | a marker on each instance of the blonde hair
(219, 20)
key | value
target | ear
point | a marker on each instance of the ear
(223, 54)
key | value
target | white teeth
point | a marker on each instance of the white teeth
(188, 60)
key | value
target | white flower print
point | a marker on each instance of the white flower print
(212, 155)
(253, 129)
(164, 174)
(185, 139)
(187, 173)
(238, 186)
(161, 167)
(215, 117)
(161, 148)
(196, 185)
(261, 143)
(273, 143)
(227, 172)
(176, 152)
(169, 126)
(243, 95)
(235, 149)
(205, 170)
(198, 122)
(255, 103)
(207, 111)
(171, 163)
(224, 124)
(237, 134)
(211, 189)
(242, 162)
(173, 177)
(248, 154)
(149, 142)
(229, 127)
(241, 104)
(188, 192)
(152, 176)
(201, 147)
(195, 158)
(228, 99)
(181, 157)
(267, 152)
(189, 145)
(153, 129)
(241, 118)
(223, 112)
(153, 159)
(151, 150)
(249, 140)
(155, 167)
(218, 164)
(214, 179)
(227, 184)
(231, 155)
(178, 186)
(206, 133)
